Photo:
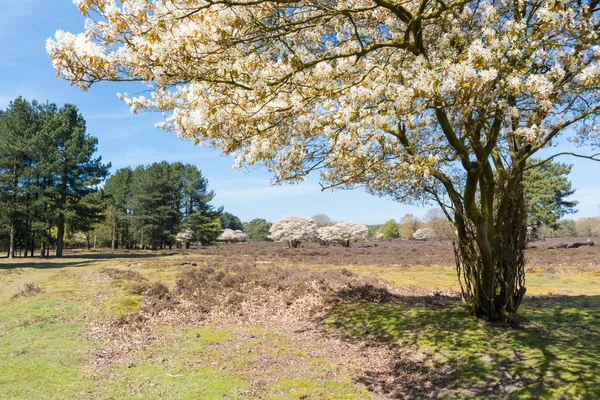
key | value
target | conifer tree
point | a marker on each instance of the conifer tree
(76, 171)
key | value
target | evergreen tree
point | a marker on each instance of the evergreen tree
(206, 227)
(546, 188)
(118, 193)
(18, 125)
(150, 205)
(76, 171)
(155, 195)
(230, 221)
(257, 230)
(87, 214)
(198, 214)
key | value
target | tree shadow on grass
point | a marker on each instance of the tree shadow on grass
(79, 259)
(49, 264)
(122, 255)
(443, 353)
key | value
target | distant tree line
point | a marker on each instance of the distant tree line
(160, 206)
(51, 192)
(49, 176)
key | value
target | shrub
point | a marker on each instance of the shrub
(343, 233)
(293, 230)
(232, 236)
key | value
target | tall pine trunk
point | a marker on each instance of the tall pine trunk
(114, 234)
(11, 242)
(60, 234)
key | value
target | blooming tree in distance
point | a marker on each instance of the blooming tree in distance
(293, 230)
(185, 237)
(343, 233)
(231, 236)
(434, 100)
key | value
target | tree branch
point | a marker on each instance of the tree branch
(593, 157)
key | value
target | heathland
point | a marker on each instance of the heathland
(260, 320)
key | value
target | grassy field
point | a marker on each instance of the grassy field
(241, 322)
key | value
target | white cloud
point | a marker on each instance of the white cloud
(262, 191)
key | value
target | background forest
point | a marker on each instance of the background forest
(55, 191)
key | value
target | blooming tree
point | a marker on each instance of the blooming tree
(343, 233)
(231, 236)
(293, 230)
(415, 99)
(327, 235)
(424, 234)
(184, 237)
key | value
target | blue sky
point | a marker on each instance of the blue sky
(128, 140)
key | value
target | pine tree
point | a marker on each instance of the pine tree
(546, 188)
(18, 125)
(257, 230)
(155, 204)
(75, 170)
(117, 190)
(230, 221)
(87, 214)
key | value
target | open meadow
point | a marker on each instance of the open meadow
(260, 320)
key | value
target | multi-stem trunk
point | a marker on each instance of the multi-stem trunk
(490, 254)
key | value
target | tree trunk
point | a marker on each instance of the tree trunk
(60, 234)
(114, 234)
(11, 242)
(490, 255)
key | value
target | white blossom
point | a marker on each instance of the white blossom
(343, 233)
(293, 230)
(232, 236)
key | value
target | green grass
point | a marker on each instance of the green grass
(555, 353)
(444, 278)
(41, 350)
(45, 353)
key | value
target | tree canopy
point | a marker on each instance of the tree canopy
(257, 230)
(417, 100)
(150, 205)
(230, 221)
(48, 173)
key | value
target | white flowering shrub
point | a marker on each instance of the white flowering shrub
(293, 230)
(185, 236)
(327, 235)
(350, 232)
(231, 236)
(424, 234)
(343, 233)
